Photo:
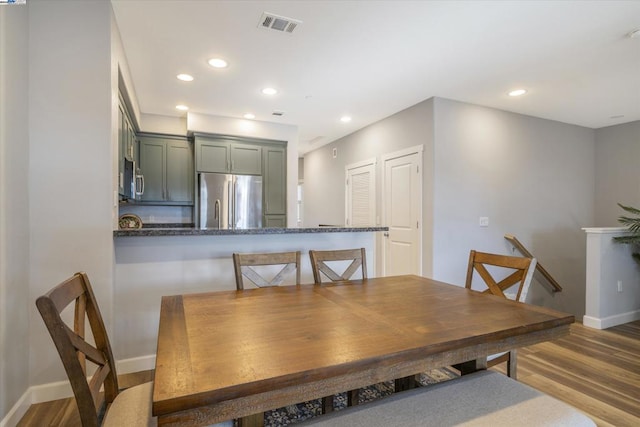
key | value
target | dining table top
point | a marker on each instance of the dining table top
(224, 355)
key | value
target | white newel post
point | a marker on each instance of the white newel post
(613, 280)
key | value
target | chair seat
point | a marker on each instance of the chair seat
(132, 408)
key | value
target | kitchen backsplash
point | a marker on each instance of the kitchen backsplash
(160, 214)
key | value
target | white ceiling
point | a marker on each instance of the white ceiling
(370, 59)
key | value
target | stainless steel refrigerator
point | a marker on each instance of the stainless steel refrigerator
(230, 201)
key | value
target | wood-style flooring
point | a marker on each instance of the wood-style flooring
(597, 372)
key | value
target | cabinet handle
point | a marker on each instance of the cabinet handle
(140, 190)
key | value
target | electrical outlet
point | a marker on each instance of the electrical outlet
(483, 221)
(619, 285)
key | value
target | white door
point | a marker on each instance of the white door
(360, 194)
(402, 206)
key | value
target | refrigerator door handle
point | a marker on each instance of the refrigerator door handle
(235, 194)
(216, 212)
(231, 207)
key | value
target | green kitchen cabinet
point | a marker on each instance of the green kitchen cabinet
(275, 221)
(227, 156)
(274, 186)
(126, 143)
(166, 163)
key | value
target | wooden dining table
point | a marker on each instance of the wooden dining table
(234, 354)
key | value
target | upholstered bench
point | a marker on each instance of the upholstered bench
(485, 398)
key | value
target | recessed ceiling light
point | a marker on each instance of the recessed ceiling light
(517, 92)
(182, 107)
(185, 77)
(249, 116)
(218, 63)
(345, 119)
(269, 91)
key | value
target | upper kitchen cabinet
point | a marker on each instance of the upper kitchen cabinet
(127, 134)
(275, 183)
(223, 155)
(166, 162)
(127, 149)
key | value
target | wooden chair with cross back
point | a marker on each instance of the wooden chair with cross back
(245, 268)
(130, 407)
(514, 286)
(319, 260)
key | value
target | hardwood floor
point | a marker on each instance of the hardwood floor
(597, 372)
(63, 412)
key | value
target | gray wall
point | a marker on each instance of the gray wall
(70, 181)
(324, 176)
(14, 207)
(533, 178)
(617, 181)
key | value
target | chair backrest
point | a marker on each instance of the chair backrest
(521, 276)
(73, 348)
(319, 265)
(244, 268)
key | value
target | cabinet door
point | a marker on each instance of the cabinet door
(120, 151)
(152, 166)
(275, 221)
(275, 185)
(129, 136)
(212, 156)
(246, 159)
(179, 177)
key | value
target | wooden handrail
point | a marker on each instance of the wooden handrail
(516, 244)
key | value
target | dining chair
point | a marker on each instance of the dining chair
(130, 407)
(515, 286)
(245, 267)
(319, 260)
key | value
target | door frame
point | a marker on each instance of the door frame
(381, 244)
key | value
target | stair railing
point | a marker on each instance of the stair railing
(516, 244)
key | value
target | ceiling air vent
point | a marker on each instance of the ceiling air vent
(279, 23)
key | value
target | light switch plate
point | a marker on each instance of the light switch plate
(483, 221)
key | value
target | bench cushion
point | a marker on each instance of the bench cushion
(485, 398)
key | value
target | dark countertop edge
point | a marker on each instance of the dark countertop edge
(150, 232)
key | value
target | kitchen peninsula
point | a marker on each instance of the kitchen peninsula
(154, 262)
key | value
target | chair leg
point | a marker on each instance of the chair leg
(512, 365)
(327, 404)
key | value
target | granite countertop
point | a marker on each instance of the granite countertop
(190, 231)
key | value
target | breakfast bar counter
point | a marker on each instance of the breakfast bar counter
(190, 231)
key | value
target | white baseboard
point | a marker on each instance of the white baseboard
(62, 389)
(610, 321)
(136, 364)
(18, 410)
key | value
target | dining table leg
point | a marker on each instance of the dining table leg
(405, 383)
(471, 366)
(254, 420)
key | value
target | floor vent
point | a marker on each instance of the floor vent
(278, 23)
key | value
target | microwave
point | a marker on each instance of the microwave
(132, 181)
